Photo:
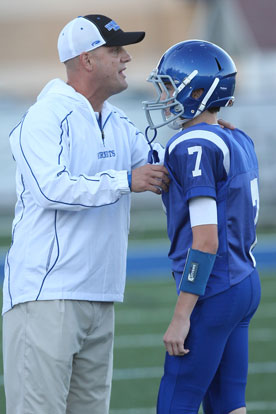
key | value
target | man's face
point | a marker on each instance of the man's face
(170, 90)
(164, 95)
(109, 70)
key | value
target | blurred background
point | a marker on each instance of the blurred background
(245, 28)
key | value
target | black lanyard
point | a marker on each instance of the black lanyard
(100, 125)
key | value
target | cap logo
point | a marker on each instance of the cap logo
(112, 26)
(95, 43)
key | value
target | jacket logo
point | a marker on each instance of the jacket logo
(106, 154)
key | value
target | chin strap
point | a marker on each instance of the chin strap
(177, 124)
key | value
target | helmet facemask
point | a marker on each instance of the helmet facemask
(165, 101)
(169, 107)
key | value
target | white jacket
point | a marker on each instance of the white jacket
(71, 222)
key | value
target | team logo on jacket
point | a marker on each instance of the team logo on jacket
(106, 154)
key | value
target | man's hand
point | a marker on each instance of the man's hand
(225, 124)
(150, 177)
(175, 336)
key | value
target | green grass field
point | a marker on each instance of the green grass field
(138, 358)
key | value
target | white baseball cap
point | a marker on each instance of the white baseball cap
(89, 32)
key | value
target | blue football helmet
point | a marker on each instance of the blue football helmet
(186, 67)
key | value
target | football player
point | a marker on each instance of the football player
(212, 209)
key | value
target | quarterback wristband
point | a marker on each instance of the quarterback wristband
(196, 272)
(129, 177)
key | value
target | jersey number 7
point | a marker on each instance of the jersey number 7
(198, 149)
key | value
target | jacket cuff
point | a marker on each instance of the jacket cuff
(122, 179)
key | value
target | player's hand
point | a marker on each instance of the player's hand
(150, 177)
(225, 124)
(175, 336)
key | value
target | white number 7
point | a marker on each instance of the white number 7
(256, 203)
(255, 197)
(191, 150)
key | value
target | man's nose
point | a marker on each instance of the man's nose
(126, 57)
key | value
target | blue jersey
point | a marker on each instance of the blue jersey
(206, 160)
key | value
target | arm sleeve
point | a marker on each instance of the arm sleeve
(44, 162)
(203, 210)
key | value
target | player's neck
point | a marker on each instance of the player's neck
(206, 116)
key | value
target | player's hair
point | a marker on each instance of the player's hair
(197, 93)
(214, 110)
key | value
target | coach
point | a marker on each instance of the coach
(78, 158)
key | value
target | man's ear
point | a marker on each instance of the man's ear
(87, 61)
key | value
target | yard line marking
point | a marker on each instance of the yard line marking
(138, 341)
(153, 340)
(142, 316)
(267, 367)
(146, 317)
(262, 367)
(137, 373)
(262, 335)
(267, 310)
(251, 406)
(157, 372)
(134, 411)
(261, 405)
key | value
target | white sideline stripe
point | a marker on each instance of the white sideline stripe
(157, 372)
(154, 340)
